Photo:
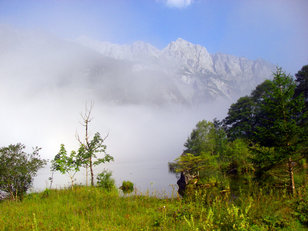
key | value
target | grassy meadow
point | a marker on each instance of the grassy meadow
(92, 208)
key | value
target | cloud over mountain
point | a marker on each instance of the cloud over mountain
(181, 73)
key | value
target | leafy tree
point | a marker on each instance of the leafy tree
(200, 158)
(202, 139)
(206, 142)
(89, 149)
(279, 127)
(220, 136)
(189, 164)
(88, 153)
(18, 168)
(66, 164)
(86, 156)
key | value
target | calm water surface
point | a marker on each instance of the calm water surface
(148, 177)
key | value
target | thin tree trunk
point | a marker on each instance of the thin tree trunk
(51, 179)
(92, 175)
(72, 180)
(291, 175)
(86, 119)
(87, 181)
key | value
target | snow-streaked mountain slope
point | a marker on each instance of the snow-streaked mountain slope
(198, 75)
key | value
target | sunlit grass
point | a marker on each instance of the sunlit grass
(91, 208)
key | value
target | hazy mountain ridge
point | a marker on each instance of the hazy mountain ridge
(181, 73)
(200, 76)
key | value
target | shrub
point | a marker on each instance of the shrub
(127, 187)
(105, 181)
(18, 169)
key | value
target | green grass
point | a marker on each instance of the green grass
(91, 208)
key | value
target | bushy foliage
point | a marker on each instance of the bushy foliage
(105, 181)
(300, 206)
(236, 158)
(17, 169)
(127, 187)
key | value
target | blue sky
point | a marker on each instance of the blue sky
(274, 30)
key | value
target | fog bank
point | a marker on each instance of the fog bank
(45, 85)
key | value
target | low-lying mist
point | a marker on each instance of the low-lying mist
(45, 85)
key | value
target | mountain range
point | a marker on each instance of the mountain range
(139, 73)
(183, 72)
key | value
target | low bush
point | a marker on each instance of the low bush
(127, 187)
(105, 181)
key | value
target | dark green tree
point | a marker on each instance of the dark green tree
(239, 122)
(278, 128)
(18, 168)
(202, 139)
(244, 115)
(302, 89)
(261, 91)
(302, 84)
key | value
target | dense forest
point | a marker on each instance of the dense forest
(247, 171)
(263, 140)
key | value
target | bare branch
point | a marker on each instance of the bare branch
(78, 138)
(86, 116)
(105, 137)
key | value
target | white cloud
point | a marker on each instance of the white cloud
(178, 3)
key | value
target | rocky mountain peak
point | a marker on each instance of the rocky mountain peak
(195, 57)
(143, 49)
(198, 75)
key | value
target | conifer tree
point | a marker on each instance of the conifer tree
(279, 130)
